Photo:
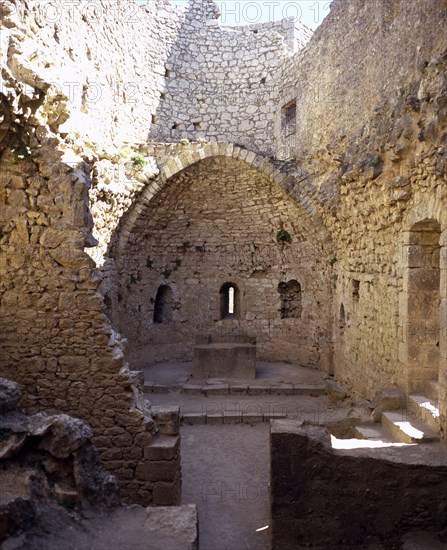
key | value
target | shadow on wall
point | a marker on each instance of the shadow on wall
(217, 265)
(220, 83)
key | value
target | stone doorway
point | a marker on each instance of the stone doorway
(421, 305)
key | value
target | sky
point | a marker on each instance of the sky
(248, 12)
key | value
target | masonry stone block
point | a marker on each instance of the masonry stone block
(163, 470)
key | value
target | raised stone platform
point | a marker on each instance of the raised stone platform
(238, 388)
(272, 379)
(227, 356)
(151, 528)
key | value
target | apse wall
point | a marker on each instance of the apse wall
(221, 222)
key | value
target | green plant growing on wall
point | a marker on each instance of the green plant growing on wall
(376, 161)
(166, 273)
(283, 236)
(177, 263)
(184, 141)
(21, 150)
(332, 262)
(138, 160)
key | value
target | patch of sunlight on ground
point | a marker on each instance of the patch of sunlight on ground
(431, 408)
(363, 443)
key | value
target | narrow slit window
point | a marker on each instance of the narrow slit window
(231, 300)
(288, 124)
(228, 301)
(342, 317)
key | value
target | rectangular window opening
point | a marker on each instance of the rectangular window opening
(288, 124)
(231, 300)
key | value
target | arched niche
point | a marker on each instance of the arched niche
(164, 305)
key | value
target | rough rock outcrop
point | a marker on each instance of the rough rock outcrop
(45, 458)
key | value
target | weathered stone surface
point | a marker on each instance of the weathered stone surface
(59, 342)
(316, 491)
(163, 447)
(389, 399)
(151, 528)
(351, 186)
(9, 395)
(334, 391)
(65, 436)
(227, 360)
(196, 274)
(167, 418)
(17, 509)
(10, 446)
(44, 457)
(165, 493)
(162, 470)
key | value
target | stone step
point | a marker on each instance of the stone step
(406, 428)
(239, 388)
(374, 432)
(191, 418)
(163, 447)
(151, 387)
(426, 409)
(432, 390)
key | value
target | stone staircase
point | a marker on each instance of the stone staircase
(415, 421)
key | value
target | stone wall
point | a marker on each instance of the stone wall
(221, 82)
(103, 60)
(347, 499)
(362, 53)
(56, 339)
(382, 183)
(216, 222)
(370, 132)
(296, 35)
(46, 460)
(368, 162)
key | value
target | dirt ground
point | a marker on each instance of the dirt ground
(226, 473)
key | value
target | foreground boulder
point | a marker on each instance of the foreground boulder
(44, 459)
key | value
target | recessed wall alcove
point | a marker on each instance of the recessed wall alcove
(210, 233)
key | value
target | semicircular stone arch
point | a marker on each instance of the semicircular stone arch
(300, 191)
(217, 215)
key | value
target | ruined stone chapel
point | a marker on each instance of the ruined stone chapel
(176, 190)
